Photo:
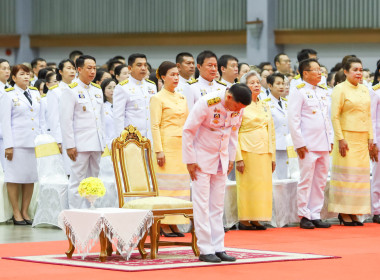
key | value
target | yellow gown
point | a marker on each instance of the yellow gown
(257, 148)
(349, 191)
(168, 113)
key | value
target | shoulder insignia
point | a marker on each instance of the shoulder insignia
(213, 101)
(95, 85)
(149, 81)
(73, 85)
(219, 82)
(192, 82)
(43, 95)
(285, 99)
(322, 86)
(53, 87)
(9, 89)
(33, 88)
(297, 77)
(267, 99)
(124, 82)
(376, 87)
(300, 85)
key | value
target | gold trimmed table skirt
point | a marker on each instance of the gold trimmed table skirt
(254, 188)
(349, 191)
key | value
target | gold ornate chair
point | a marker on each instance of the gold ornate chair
(135, 177)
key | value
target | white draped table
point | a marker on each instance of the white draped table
(122, 228)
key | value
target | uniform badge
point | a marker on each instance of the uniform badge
(97, 95)
(203, 92)
(84, 109)
(216, 116)
(150, 91)
(234, 114)
(15, 102)
(81, 95)
(234, 128)
(286, 105)
(215, 121)
(314, 111)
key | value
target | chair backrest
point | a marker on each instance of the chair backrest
(133, 166)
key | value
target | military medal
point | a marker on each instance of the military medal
(314, 111)
(215, 121)
(84, 108)
(234, 128)
(203, 92)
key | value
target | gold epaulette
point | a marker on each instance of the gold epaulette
(283, 98)
(322, 86)
(95, 85)
(33, 88)
(43, 95)
(124, 82)
(9, 89)
(149, 81)
(219, 82)
(300, 85)
(297, 77)
(376, 87)
(213, 101)
(73, 85)
(267, 99)
(53, 87)
(192, 82)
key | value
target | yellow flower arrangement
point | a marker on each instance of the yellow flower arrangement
(91, 186)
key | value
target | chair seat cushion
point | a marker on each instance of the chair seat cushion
(158, 202)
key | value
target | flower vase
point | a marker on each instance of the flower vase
(92, 199)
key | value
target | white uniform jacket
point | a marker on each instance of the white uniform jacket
(109, 123)
(201, 87)
(280, 119)
(53, 98)
(2, 93)
(21, 122)
(131, 100)
(297, 80)
(82, 117)
(375, 112)
(181, 88)
(210, 134)
(309, 121)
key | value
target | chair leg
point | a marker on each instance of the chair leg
(70, 251)
(194, 239)
(153, 239)
(141, 244)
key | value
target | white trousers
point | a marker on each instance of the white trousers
(281, 164)
(86, 165)
(375, 188)
(208, 204)
(314, 170)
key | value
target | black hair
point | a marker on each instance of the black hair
(305, 65)
(337, 67)
(51, 64)
(111, 64)
(180, 56)
(350, 61)
(272, 77)
(277, 57)
(241, 93)
(223, 61)
(330, 76)
(164, 68)
(49, 75)
(377, 74)
(119, 57)
(99, 74)
(262, 64)
(3, 60)
(153, 78)
(80, 60)
(132, 58)
(38, 83)
(104, 84)
(196, 73)
(118, 69)
(61, 65)
(74, 54)
(203, 55)
(340, 77)
(304, 54)
(43, 72)
(241, 64)
(35, 61)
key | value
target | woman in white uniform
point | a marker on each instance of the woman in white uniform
(20, 123)
(108, 86)
(5, 72)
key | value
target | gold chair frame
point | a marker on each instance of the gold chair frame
(130, 135)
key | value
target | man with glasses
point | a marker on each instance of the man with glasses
(282, 63)
(311, 132)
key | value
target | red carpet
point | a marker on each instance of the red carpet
(358, 247)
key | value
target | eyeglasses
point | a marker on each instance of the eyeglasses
(314, 70)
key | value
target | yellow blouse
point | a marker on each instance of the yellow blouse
(168, 113)
(351, 109)
(256, 133)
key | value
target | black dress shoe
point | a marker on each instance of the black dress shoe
(167, 234)
(306, 223)
(376, 219)
(179, 234)
(18, 223)
(28, 222)
(258, 226)
(209, 258)
(224, 257)
(319, 224)
(244, 227)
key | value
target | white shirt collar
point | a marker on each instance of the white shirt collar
(83, 84)
(204, 81)
(137, 82)
(226, 82)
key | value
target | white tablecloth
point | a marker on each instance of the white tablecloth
(123, 227)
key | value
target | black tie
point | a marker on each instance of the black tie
(28, 97)
(279, 103)
(267, 92)
(5, 87)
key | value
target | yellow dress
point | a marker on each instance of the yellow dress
(257, 148)
(168, 113)
(350, 177)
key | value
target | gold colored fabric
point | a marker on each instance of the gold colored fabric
(351, 109)
(135, 166)
(291, 152)
(349, 191)
(106, 152)
(158, 203)
(254, 188)
(46, 150)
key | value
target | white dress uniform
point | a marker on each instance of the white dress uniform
(209, 139)
(264, 93)
(297, 80)
(82, 127)
(109, 124)
(2, 151)
(375, 115)
(280, 119)
(228, 84)
(201, 87)
(44, 106)
(21, 122)
(53, 98)
(310, 126)
(181, 88)
(131, 100)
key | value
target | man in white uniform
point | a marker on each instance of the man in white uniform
(186, 68)
(82, 127)
(207, 64)
(312, 136)
(228, 69)
(5, 70)
(131, 98)
(37, 64)
(209, 148)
